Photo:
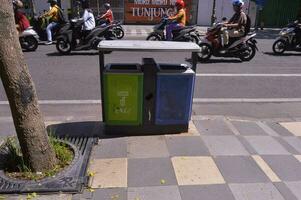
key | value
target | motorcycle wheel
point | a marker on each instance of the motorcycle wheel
(249, 53)
(153, 37)
(279, 47)
(64, 47)
(31, 43)
(119, 33)
(206, 52)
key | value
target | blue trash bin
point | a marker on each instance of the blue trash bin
(175, 86)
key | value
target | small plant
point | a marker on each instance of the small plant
(14, 164)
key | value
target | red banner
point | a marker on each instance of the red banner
(150, 11)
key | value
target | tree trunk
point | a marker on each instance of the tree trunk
(20, 90)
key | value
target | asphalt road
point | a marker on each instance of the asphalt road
(266, 77)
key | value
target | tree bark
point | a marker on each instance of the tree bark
(20, 90)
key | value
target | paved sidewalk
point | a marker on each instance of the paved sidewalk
(219, 158)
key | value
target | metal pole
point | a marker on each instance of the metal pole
(101, 69)
(97, 4)
(213, 16)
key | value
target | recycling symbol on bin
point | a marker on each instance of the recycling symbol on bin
(121, 108)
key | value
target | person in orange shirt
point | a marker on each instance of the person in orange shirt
(179, 20)
(108, 16)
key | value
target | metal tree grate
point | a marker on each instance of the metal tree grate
(71, 180)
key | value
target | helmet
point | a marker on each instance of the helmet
(180, 4)
(238, 3)
(17, 3)
(107, 5)
(52, 1)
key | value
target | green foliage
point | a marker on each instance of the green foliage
(15, 167)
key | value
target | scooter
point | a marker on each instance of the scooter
(185, 34)
(287, 40)
(71, 38)
(40, 24)
(117, 29)
(29, 39)
(243, 48)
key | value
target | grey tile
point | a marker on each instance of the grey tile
(294, 142)
(150, 172)
(147, 147)
(285, 191)
(110, 148)
(206, 192)
(286, 145)
(266, 145)
(83, 196)
(224, 145)
(152, 193)
(248, 128)
(255, 191)
(186, 146)
(287, 167)
(295, 187)
(279, 129)
(110, 194)
(240, 169)
(213, 127)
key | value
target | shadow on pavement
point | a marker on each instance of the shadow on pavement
(73, 54)
(214, 60)
(267, 34)
(284, 54)
(95, 129)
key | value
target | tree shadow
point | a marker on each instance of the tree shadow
(282, 55)
(267, 34)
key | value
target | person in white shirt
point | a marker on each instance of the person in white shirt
(88, 18)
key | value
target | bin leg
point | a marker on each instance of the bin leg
(101, 69)
(149, 69)
(194, 58)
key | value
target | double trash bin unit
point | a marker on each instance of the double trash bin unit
(147, 98)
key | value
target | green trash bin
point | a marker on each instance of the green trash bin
(123, 94)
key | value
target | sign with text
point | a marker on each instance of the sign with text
(151, 11)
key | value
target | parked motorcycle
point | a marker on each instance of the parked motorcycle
(243, 48)
(71, 37)
(117, 29)
(287, 40)
(185, 34)
(29, 39)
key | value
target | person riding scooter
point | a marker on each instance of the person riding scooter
(53, 13)
(235, 27)
(107, 17)
(22, 23)
(88, 19)
(179, 20)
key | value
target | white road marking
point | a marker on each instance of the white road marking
(248, 75)
(195, 100)
(245, 100)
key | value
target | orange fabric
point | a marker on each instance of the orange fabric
(108, 16)
(180, 17)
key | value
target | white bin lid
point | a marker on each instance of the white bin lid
(147, 46)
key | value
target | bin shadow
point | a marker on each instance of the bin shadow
(95, 129)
